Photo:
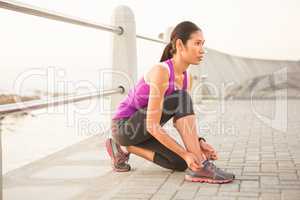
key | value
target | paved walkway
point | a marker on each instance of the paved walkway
(265, 160)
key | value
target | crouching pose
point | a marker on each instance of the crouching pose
(163, 93)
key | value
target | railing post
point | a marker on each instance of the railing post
(124, 53)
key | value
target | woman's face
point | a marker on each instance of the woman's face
(193, 51)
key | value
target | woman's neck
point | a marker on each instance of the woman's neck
(179, 65)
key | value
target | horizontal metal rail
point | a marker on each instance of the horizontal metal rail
(36, 11)
(151, 39)
(39, 104)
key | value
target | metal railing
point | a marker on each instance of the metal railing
(15, 108)
(39, 104)
(40, 12)
(151, 39)
(24, 106)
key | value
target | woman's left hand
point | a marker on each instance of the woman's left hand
(208, 150)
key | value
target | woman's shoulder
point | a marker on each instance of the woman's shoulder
(161, 69)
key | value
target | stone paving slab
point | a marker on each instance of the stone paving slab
(265, 160)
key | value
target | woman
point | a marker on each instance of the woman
(162, 94)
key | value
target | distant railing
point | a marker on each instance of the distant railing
(26, 106)
(124, 56)
(151, 39)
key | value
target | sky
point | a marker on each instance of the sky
(257, 29)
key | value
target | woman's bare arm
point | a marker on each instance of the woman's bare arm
(158, 81)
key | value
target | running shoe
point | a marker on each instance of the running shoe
(118, 157)
(209, 173)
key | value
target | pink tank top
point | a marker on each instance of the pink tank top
(139, 95)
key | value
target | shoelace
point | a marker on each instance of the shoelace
(212, 165)
(122, 157)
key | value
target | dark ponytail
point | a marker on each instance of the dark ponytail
(167, 52)
(182, 31)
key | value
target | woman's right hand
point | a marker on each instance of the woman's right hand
(192, 161)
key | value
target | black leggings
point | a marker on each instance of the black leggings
(132, 130)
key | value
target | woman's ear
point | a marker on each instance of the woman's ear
(179, 44)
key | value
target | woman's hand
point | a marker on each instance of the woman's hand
(192, 161)
(208, 150)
